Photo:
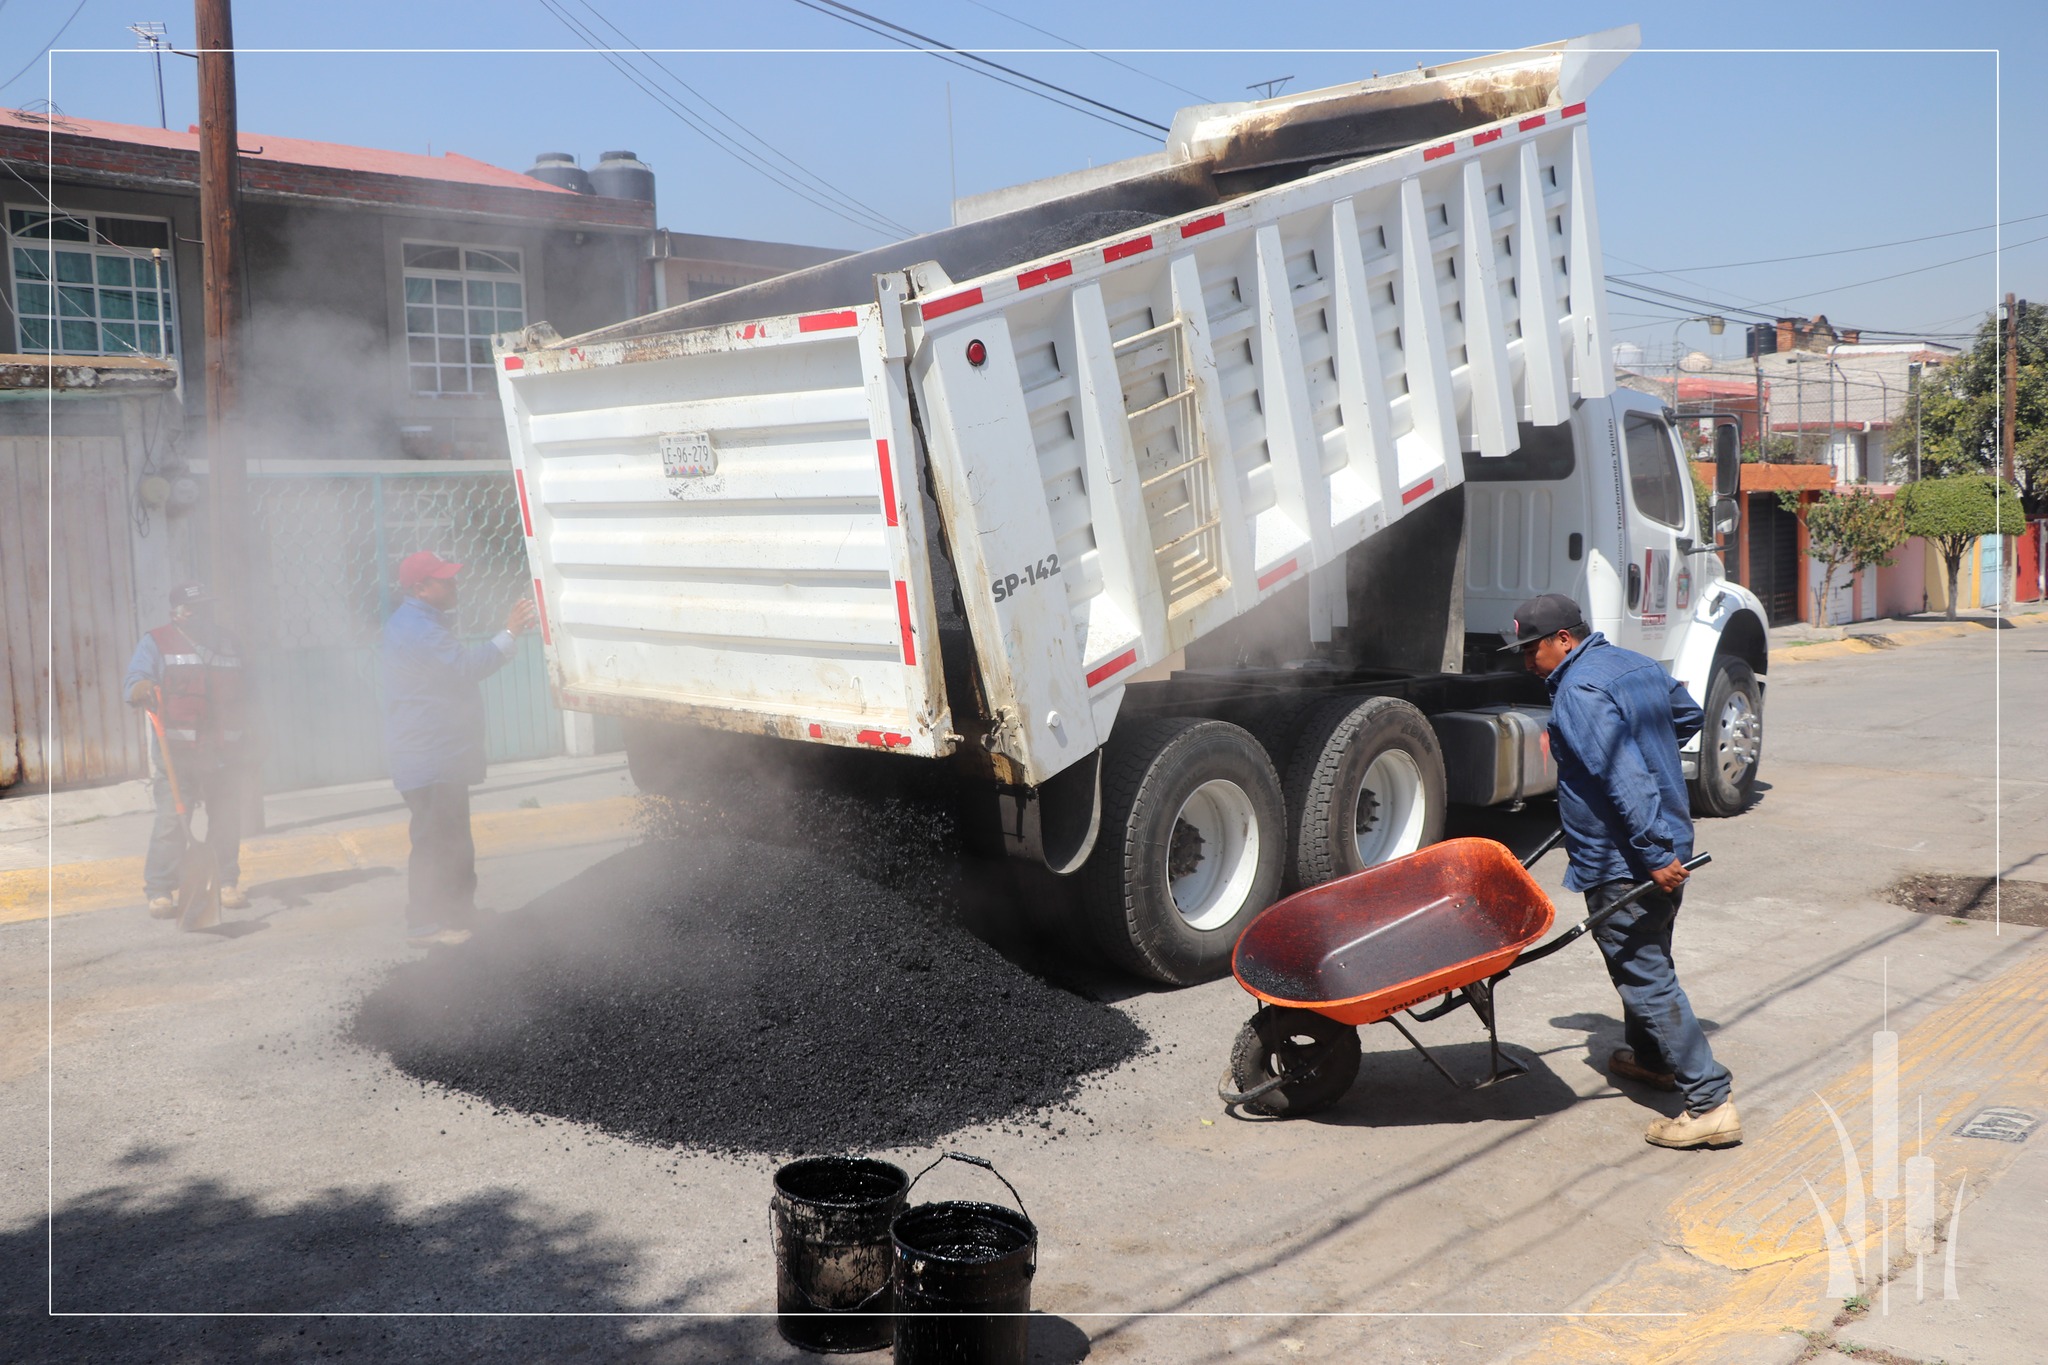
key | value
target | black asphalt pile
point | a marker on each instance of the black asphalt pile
(712, 990)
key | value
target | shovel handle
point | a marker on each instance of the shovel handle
(163, 747)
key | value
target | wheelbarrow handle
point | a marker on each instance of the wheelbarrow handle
(1599, 917)
(1536, 853)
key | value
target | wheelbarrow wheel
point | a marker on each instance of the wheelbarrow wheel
(1318, 1055)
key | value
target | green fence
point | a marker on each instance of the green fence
(324, 556)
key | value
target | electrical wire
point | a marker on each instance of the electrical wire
(831, 9)
(881, 227)
(45, 48)
(1137, 71)
(1841, 251)
(822, 184)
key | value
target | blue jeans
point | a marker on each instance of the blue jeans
(1657, 1019)
(205, 786)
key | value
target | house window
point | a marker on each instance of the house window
(90, 283)
(456, 298)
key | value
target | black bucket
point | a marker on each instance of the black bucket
(963, 1279)
(831, 1217)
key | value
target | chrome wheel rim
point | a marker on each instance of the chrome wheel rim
(1738, 738)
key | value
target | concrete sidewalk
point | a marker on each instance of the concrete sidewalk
(77, 851)
(1803, 643)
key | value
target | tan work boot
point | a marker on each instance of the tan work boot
(1720, 1126)
(162, 907)
(233, 898)
(1621, 1062)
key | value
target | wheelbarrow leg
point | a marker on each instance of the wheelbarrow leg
(1480, 996)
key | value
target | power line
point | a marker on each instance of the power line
(45, 49)
(832, 9)
(817, 180)
(1001, 14)
(719, 140)
(1841, 251)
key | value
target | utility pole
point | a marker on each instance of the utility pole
(1913, 389)
(220, 229)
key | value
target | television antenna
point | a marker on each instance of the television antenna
(152, 36)
(1268, 89)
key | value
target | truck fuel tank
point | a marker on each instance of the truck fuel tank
(1496, 754)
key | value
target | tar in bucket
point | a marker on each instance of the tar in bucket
(831, 1219)
(963, 1278)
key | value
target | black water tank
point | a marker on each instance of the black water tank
(621, 175)
(559, 168)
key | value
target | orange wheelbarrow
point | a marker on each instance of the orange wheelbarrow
(1446, 923)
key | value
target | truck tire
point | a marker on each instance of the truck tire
(1366, 784)
(1731, 740)
(1191, 847)
(1319, 1055)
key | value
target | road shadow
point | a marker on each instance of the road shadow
(233, 928)
(198, 1248)
(1400, 1089)
(291, 892)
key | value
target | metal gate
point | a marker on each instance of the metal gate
(1774, 558)
(324, 555)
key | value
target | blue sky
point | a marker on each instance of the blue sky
(1716, 157)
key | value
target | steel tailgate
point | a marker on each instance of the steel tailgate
(725, 527)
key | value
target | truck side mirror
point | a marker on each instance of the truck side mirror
(1727, 460)
(1727, 516)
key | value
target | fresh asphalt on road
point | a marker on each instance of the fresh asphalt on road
(207, 1142)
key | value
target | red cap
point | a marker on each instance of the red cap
(421, 565)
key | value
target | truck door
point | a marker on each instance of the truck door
(1658, 512)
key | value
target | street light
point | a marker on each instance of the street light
(1716, 324)
(1913, 390)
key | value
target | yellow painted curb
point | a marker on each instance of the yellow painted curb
(72, 888)
(1835, 649)
(1746, 1260)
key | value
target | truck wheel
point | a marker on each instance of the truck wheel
(1284, 1042)
(1366, 784)
(1731, 740)
(1191, 847)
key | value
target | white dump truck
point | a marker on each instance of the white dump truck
(1167, 513)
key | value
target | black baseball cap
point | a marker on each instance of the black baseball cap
(1543, 615)
(190, 594)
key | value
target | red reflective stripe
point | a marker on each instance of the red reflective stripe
(513, 362)
(540, 601)
(1421, 488)
(1058, 270)
(1533, 121)
(827, 322)
(903, 620)
(817, 730)
(1432, 153)
(1201, 225)
(1572, 110)
(525, 516)
(1113, 667)
(952, 303)
(1490, 135)
(1123, 249)
(1274, 575)
(888, 481)
(887, 739)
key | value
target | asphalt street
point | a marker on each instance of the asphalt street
(198, 1138)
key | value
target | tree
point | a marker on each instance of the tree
(1953, 512)
(1957, 409)
(1855, 531)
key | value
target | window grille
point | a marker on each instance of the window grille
(456, 299)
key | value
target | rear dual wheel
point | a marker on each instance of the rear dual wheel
(1365, 784)
(1191, 848)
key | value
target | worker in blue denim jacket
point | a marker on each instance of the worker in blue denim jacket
(1616, 721)
(434, 740)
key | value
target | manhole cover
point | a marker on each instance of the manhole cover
(2000, 1124)
(1978, 898)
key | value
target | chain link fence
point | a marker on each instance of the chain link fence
(323, 570)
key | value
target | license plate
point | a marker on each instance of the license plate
(688, 455)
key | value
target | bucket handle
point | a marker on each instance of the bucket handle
(775, 1241)
(982, 1162)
